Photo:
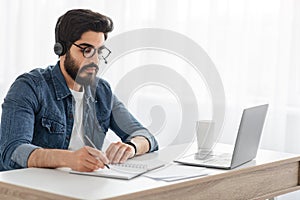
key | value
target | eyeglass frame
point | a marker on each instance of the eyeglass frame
(95, 50)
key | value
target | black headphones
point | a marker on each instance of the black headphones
(59, 47)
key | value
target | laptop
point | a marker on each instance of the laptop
(246, 144)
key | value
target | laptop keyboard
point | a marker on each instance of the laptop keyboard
(218, 159)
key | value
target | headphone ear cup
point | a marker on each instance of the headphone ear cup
(59, 49)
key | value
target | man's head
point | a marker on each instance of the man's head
(80, 36)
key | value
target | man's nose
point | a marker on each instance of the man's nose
(95, 59)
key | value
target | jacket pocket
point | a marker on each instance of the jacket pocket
(53, 126)
(52, 134)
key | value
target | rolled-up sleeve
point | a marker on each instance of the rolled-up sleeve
(21, 154)
(125, 125)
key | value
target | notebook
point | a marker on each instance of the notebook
(246, 145)
(128, 170)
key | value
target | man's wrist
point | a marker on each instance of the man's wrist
(133, 145)
(141, 144)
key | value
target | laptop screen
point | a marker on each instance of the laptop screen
(249, 134)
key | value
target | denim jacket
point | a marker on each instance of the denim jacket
(38, 113)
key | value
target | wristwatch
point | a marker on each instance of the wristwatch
(133, 145)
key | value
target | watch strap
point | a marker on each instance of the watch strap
(133, 145)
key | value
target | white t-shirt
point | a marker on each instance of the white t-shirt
(77, 141)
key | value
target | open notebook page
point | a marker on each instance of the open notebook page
(128, 170)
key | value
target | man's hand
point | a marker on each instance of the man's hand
(119, 152)
(88, 159)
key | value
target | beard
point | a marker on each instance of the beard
(76, 73)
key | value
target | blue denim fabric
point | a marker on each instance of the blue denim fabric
(38, 113)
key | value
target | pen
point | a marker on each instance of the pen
(106, 165)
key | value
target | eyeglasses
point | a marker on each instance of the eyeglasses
(89, 51)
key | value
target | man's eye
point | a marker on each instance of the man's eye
(88, 50)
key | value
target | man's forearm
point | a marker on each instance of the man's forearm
(49, 158)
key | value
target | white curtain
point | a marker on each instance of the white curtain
(254, 45)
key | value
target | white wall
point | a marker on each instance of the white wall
(254, 45)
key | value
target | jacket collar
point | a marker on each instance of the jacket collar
(60, 85)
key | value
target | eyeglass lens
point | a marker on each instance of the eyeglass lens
(103, 52)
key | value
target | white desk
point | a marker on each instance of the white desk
(270, 174)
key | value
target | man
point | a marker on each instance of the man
(58, 116)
